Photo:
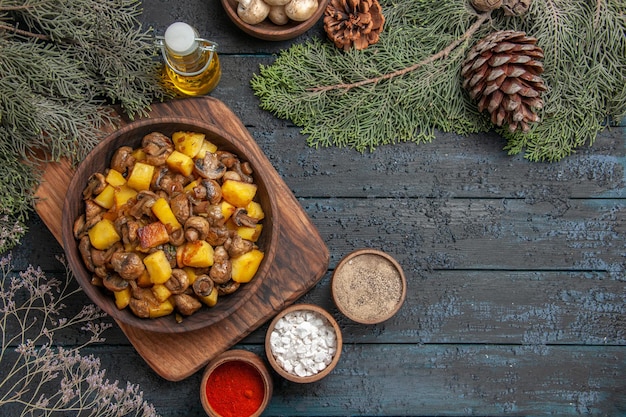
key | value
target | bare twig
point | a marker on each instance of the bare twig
(441, 54)
(14, 29)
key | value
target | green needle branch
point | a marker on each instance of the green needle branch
(439, 55)
(407, 86)
(63, 63)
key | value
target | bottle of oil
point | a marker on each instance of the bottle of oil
(191, 63)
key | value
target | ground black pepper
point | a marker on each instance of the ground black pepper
(367, 287)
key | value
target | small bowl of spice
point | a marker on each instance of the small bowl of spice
(303, 343)
(236, 384)
(368, 286)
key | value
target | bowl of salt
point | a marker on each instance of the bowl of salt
(303, 343)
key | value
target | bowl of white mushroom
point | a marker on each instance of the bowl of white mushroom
(274, 20)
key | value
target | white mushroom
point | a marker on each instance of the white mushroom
(277, 2)
(278, 16)
(253, 11)
(301, 10)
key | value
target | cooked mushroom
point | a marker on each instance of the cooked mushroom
(93, 213)
(159, 173)
(79, 230)
(128, 264)
(114, 282)
(227, 288)
(84, 222)
(103, 257)
(209, 190)
(127, 228)
(178, 282)
(101, 271)
(177, 237)
(181, 207)
(203, 285)
(170, 182)
(157, 147)
(215, 215)
(222, 268)
(240, 218)
(186, 304)
(231, 175)
(213, 191)
(140, 308)
(217, 235)
(237, 246)
(84, 247)
(143, 205)
(232, 162)
(209, 167)
(123, 160)
(95, 185)
(196, 228)
(142, 300)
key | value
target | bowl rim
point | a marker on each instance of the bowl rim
(237, 355)
(275, 32)
(165, 324)
(272, 360)
(356, 254)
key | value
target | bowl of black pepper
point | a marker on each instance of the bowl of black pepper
(368, 286)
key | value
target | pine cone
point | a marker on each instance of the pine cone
(353, 23)
(502, 72)
(515, 7)
(486, 5)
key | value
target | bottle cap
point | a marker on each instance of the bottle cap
(180, 38)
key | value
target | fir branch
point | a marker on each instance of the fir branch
(334, 95)
(26, 33)
(398, 73)
(63, 63)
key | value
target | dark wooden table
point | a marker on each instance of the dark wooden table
(516, 299)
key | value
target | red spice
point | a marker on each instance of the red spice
(235, 389)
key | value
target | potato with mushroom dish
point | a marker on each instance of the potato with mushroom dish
(165, 223)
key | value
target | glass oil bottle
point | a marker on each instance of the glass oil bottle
(191, 64)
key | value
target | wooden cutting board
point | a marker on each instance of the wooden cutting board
(297, 267)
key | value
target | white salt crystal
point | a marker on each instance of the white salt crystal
(303, 343)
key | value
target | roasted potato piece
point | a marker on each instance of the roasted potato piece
(153, 235)
(122, 298)
(106, 198)
(103, 234)
(238, 193)
(164, 213)
(115, 178)
(188, 143)
(246, 265)
(158, 267)
(179, 162)
(141, 176)
(197, 254)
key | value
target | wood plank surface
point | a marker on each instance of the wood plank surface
(516, 270)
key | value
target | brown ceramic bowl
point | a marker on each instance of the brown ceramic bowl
(329, 320)
(252, 366)
(368, 286)
(269, 31)
(99, 158)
